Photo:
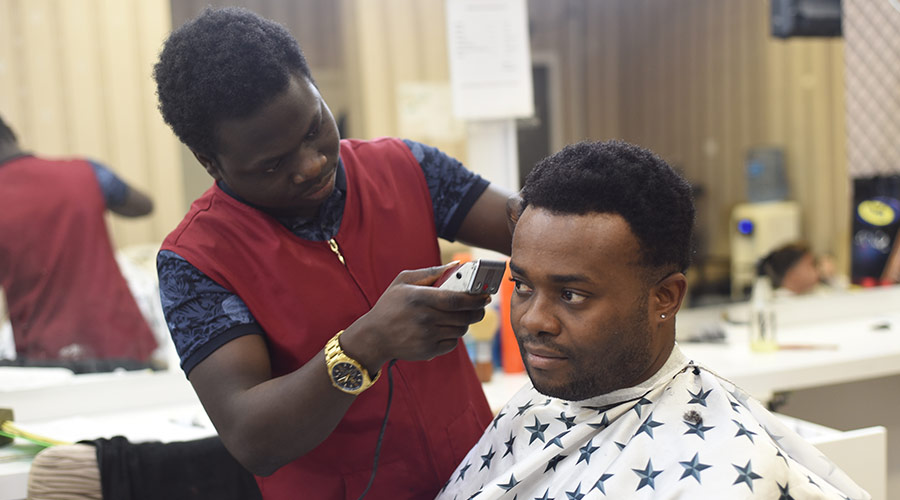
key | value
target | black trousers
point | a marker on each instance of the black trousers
(185, 470)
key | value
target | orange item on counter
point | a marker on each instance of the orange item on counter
(510, 357)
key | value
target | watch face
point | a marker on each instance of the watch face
(347, 376)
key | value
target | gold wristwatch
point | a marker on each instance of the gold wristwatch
(346, 373)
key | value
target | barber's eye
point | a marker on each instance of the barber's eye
(274, 166)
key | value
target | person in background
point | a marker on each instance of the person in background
(614, 408)
(68, 303)
(794, 270)
(305, 270)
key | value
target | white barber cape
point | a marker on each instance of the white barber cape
(685, 433)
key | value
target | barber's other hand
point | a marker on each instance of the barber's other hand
(413, 320)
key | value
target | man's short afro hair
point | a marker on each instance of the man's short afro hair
(224, 64)
(620, 178)
(6, 132)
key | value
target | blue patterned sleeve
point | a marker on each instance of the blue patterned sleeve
(453, 188)
(201, 314)
(115, 191)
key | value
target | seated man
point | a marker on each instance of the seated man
(598, 260)
(794, 270)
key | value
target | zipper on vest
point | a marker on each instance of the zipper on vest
(337, 251)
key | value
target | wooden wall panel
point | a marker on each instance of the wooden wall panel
(75, 80)
(700, 82)
(394, 42)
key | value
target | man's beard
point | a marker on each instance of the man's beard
(593, 375)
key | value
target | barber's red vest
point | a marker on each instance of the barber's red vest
(67, 298)
(302, 295)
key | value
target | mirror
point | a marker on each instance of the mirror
(702, 85)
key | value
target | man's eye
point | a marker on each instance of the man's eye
(520, 287)
(313, 133)
(572, 297)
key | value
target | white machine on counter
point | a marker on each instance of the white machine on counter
(755, 230)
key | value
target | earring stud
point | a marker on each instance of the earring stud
(663, 316)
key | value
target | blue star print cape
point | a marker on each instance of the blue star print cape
(685, 433)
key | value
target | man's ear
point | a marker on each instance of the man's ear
(667, 296)
(210, 164)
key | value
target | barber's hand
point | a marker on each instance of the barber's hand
(413, 320)
(513, 211)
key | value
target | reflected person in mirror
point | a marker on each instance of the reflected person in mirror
(68, 302)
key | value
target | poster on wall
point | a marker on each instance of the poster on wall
(876, 222)
(490, 59)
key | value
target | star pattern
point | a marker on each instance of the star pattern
(509, 484)
(693, 468)
(743, 431)
(575, 495)
(600, 484)
(487, 458)
(462, 472)
(813, 482)
(497, 419)
(647, 475)
(537, 430)
(562, 428)
(509, 444)
(557, 440)
(784, 491)
(647, 426)
(586, 452)
(698, 429)
(641, 402)
(700, 397)
(604, 423)
(746, 475)
(553, 461)
(567, 420)
(524, 408)
(545, 497)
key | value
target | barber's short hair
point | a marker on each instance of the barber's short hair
(6, 132)
(620, 178)
(226, 63)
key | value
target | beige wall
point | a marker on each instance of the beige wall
(700, 82)
(75, 80)
(390, 43)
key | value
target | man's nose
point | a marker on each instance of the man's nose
(310, 167)
(537, 317)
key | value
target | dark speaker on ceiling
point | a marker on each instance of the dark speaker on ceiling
(811, 18)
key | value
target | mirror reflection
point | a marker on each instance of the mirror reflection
(763, 127)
